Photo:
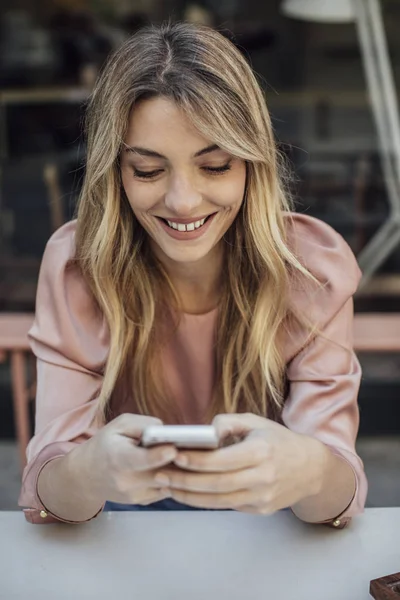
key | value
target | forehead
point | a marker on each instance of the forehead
(159, 124)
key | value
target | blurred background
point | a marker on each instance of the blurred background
(330, 75)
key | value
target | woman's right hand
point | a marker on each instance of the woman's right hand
(121, 470)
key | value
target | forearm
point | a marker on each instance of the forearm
(66, 487)
(335, 485)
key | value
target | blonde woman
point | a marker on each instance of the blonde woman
(187, 292)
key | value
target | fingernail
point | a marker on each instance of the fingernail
(169, 455)
(181, 460)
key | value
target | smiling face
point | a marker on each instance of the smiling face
(184, 190)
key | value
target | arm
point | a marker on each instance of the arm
(63, 425)
(69, 340)
(64, 489)
(110, 466)
(322, 405)
(336, 488)
(75, 464)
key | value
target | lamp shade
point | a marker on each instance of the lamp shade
(322, 11)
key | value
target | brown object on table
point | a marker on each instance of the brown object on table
(14, 329)
(386, 588)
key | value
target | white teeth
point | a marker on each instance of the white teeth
(188, 227)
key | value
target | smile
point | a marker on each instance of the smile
(186, 231)
(186, 227)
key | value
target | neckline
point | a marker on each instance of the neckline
(204, 314)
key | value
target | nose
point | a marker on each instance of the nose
(182, 197)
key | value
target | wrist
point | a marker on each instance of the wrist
(336, 481)
(80, 465)
(316, 458)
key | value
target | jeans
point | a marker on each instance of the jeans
(166, 504)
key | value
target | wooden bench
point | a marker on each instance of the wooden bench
(377, 332)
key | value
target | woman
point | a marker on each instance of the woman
(186, 292)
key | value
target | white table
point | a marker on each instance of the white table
(196, 556)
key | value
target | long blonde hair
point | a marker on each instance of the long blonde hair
(208, 78)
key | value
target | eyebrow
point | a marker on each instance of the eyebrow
(153, 154)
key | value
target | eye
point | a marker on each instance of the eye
(146, 174)
(218, 170)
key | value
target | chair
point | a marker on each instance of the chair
(14, 329)
(54, 195)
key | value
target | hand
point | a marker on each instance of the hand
(272, 468)
(120, 470)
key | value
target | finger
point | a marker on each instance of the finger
(134, 486)
(248, 508)
(146, 459)
(132, 426)
(214, 501)
(148, 496)
(209, 482)
(238, 424)
(242, 455)
(142, 481)
(255, 510)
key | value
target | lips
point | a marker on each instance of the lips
(187, 235)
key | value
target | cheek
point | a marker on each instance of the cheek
(140, 196)
(232, 193)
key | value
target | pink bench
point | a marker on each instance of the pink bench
(14, 328)
(373, 332)
(377, 332)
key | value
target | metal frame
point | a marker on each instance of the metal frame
(382, 90)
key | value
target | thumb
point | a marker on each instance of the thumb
(239, 424)
(132, 426)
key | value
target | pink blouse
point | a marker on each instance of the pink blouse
(70, 340)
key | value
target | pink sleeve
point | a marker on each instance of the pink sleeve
(70, 341)
(324, 382)
(324, 373)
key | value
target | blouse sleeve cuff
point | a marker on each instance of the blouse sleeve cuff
(37, 512)
(356, 505)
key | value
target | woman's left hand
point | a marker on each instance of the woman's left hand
(270, 469)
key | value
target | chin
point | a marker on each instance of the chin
(186, 255)
(183, 252)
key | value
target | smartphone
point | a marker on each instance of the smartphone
(195, 437)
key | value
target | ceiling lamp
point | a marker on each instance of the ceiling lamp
(323, 11)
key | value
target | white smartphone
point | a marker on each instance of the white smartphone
(196, 437)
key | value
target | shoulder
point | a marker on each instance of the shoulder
(57, 257)
(67, 319)
(61, 245)
(328, 257)
(60, 275)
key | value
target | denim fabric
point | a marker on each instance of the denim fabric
(167, 504)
